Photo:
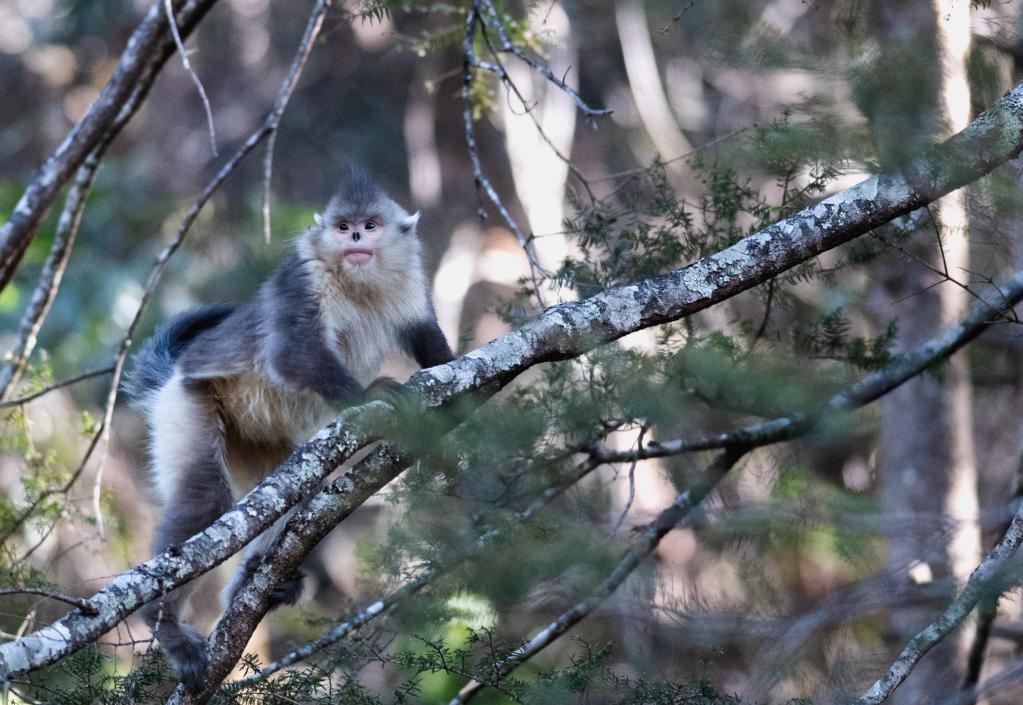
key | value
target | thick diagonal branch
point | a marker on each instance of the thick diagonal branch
(562, 332)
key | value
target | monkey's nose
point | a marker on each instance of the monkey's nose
(356, 236)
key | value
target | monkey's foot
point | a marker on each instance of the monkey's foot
(288, 590)
(186, 649)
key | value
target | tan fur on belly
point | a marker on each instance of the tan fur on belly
(263, 412)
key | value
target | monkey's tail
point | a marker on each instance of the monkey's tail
(153, 364)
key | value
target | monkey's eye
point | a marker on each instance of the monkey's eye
(343, 227)
(371, 225)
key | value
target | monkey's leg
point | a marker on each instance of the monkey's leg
(250, 462)
(188, 457)
(287, 590)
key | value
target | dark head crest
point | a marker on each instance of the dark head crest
(358, 191)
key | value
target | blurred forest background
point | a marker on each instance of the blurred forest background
(802, 576)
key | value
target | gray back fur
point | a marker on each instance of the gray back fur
(153, 364)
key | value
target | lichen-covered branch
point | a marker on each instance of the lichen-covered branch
(562, 332)
(990, 577)
(738, 444)
(148, 48)
(412, 586)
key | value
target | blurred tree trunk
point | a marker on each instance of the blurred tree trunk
(539, 128)
(927, 465)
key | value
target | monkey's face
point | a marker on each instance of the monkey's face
(359, 239)
(362, 243)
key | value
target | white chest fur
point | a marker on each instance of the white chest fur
(364, 312)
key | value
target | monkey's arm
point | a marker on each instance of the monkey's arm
(308, 363)
(297, 344)
(425, 342)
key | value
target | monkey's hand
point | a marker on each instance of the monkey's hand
(288, 590)
(186, 650)
(390, 390)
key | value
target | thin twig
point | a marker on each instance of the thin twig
(91, 374)
(632, 484)
(490, 18)
(84, 605)
(312, 29)
(498, 69)
(169, 10)
(481, 180)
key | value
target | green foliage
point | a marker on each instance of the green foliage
(828, 337)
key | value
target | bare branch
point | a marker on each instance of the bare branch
(640, 549)
(312, 30)
(148, 48)
(989, 577)
(490, 17)
(91, 374)
(78, 602)
(987, 611)
(50, 277)
(474, 157)
(187, 65)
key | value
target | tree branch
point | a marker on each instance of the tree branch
(312, 30)
(738, 444)
(482, 182)
(91, 374)
(148, 48)
(561, 332)
(411, 587)
(992, 576)
(51, 276)
(489, 16)
(78, 602)
(642, 547)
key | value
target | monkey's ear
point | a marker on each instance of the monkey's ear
(409, 223)
(318, 218)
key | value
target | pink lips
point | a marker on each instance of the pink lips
(358, 256)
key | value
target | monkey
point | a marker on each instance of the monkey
(229, 391)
